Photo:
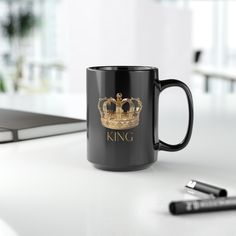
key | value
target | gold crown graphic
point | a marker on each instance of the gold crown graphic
(118, 118)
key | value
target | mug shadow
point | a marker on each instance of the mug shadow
(188, 170)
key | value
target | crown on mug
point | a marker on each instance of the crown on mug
(118, 118)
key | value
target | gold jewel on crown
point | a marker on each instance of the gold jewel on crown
(118, 118)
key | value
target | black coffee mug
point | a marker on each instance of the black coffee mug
(122, 116)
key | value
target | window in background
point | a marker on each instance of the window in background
(202, 28)
(4, 43)
(31, 49)
(213, 29)
(209, 30)
(230, 18)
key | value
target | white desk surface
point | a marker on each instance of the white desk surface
(48, 188)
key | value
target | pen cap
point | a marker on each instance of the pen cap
(207, 188)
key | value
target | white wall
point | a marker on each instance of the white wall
(126, 32)
(163, 39)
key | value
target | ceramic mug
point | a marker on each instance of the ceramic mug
(122, 116)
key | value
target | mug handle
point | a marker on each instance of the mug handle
(162, 85)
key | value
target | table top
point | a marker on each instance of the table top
(47, 187)
(215, 71)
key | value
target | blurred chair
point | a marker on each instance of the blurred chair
(197, 55)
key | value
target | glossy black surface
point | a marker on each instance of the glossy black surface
(131, 81)
(204, 205)
(207, 188)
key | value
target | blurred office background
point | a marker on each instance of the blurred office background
(45, 45)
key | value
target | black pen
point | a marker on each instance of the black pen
(205, 205)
